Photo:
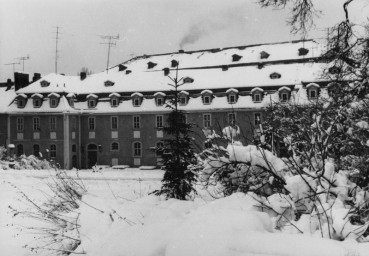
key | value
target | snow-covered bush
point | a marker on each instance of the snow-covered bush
(318, 201)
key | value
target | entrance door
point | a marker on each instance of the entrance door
(91, 155)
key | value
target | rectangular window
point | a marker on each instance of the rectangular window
(53, 103)
(257, 119)
(74, 123)
(52, 123)
(91, 123)
(312, 94)
(137, 149)
(136, 122)
(37, 103)
(284, 97)
(159, 121)
(257, 97)
(232, 118)
(114, 102)
(206, 120)
(53, 150)
(91, 103)
(20, 124)
(232, 98)
(159, 101)
(36, 123)
(136, 102)
(114, 122)
(183, 100)
(206, 99)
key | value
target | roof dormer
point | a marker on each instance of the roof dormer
(236, 57)
(207, 97)
(174, 63)
(70, 97)
(121, 67)
(257, 94)
(264, 55)
(159, 98)
(53, 99)
(232, 96)
(150, 65)
(114, 99)
(313, 91)
(37, 100)
(188, 80)
(44, 83)
(275, 75)
(137, 99)
(108, 83)
(284, 94)
(183, 98)
(92, 100)
(21, 100)
(303, 51)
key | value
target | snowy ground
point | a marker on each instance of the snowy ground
(136, 224)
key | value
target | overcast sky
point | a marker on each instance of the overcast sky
(144, 27)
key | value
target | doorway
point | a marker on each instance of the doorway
(91, 155)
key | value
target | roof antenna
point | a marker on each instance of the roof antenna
(111, 42)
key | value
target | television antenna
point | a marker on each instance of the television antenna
(23, 59)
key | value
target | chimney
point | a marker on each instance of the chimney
(9, 84)
(236, 57)
(21, 80)
(166, 71)
(181, 51)
(36, 76)
(128, 71)
(224, 67)
(151, 64)
(83, 75)
(122, 67)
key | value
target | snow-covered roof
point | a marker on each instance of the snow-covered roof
(257, 89)
(54, 94)
(37, 95)
(284, 88)
(312, 85)
(159, 94)
(22, 95)
(71, 94)
(62, 107)
(232, 90)
(114, 94)
(207, 91)
(91, 95)
(136, 94)
(6, 97)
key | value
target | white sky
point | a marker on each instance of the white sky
(144, 26)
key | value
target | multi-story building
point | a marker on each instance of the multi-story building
(115, 117)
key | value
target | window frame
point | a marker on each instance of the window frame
(53, 102)
(91, 103)
(22, 147)
(36, 102)
(159, 101)
(21, 102)
(52, 124)
(206, 122)
(91, 123)
(257, 94)
(136, 101)
(136, 122)
(114, 102)
(137, 150)
(312, 90)
(20, 124)
(234, 118)
(206, 102)
(53, 150)
(114, 124)
(232, 96)
(287, 96)
(117, 146)
(36, 123)
(159, 121)
(257, 120)
(180, 100)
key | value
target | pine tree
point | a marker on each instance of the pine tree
(178, 152)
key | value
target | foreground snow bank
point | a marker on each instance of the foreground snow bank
(151, 226)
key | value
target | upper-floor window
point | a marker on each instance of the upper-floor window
(73, 123)
(52, 121)
(188, 80)
(257, 119)
(257, 94)
(206, 120)
(114, 102)
(159, 101)
(53, 103)
(232, 99)
(37, 102)
(114, 99)
(91, 123)
(44, 83)
(136, 122)
(114, 122)
(207, 99)
(313, 91)
(91, 100)
(275, 75)
(20, 123)
(232, 118)
(183, 98)
(36, 123)
(206, 96)
(257, 97)
(108, 83)
(21, 101)
(137, 99)
(137, 148)
(91, 103)
(159, 121)
(284, 94)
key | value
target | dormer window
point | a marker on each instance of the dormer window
(137, 99)
(150, 65)
(303, 51)
(21, 100)
(159, 98)
(122, 67)
(37, 100)
(70, 97)
(92, 100)
(108, 83)
(114, 99)
(188, 80)
(264, 55)
(312, 91)
(232, 96)
(275, 75)
(257, 94)
(53, 99)
(183, 98)
(236, 57)
(206, 97)
(284, 94)
(44, 83)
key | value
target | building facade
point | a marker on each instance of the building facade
(115, 117)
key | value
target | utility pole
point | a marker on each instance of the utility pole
(56, 49)
(111, 42)
(23, 59)
(13, 63)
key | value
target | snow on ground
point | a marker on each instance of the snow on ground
(133, 223)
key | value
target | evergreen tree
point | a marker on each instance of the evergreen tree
(178, 152)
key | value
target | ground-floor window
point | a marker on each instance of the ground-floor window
(53, 150)
(114, 146)
(20, 150)
(36, 150)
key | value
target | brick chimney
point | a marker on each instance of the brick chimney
(122, 67)
(166, 71)
(20, 80)
(36, 76)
